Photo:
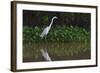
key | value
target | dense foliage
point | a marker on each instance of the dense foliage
(56, 34)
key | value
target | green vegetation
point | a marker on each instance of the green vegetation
(56, 34)
(62, 43)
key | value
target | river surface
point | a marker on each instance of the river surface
(57, 51)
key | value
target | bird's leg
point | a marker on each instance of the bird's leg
(46, 43)
(46, 39)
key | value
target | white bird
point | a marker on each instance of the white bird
(44, 34)
(46, 30)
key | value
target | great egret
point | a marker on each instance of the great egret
(46, 30)
(44, 34)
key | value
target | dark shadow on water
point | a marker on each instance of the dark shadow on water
(57, 51)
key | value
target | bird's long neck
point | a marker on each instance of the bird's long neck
(51, 23)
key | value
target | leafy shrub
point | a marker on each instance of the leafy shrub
(56, 34)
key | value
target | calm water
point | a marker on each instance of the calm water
(57, 51)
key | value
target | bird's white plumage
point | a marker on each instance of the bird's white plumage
(45, 32)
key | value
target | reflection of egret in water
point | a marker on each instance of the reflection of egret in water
(44, 34)
(45, 54)
(57, 51)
